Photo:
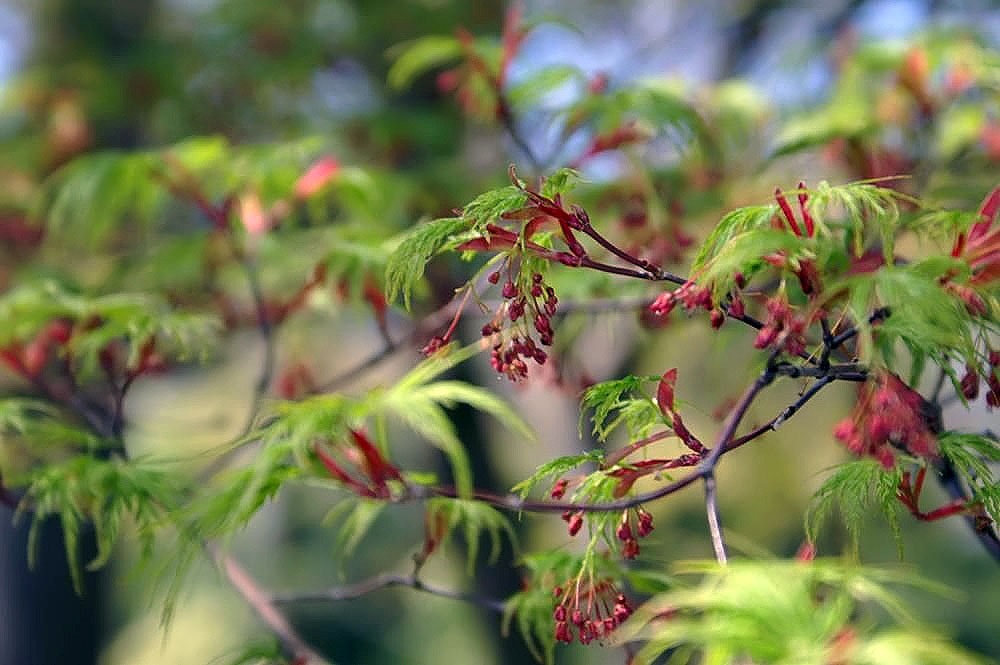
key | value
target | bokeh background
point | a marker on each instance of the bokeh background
(86, 75)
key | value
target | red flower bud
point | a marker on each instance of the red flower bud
(624, 531)
(575, 523)
(645, 523)
(970, 383)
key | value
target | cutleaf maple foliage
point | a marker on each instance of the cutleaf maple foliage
(864, 278)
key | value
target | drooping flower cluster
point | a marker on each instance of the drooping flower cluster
(536, 304)
(888, 413)
(970, 381)
(574, 521)
(634, 523)
(595, 610)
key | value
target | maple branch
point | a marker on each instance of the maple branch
(519, 504)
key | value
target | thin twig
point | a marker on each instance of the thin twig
(509, 123)
(878, 315)
(266, 331)
(432, 321)
(378, 582)
(714, 520)
(264, 606)
(739, 411)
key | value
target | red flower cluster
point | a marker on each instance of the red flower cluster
(363, 469)
(970, 382)
(888, 413)
(30, 359)
(690, 295)
(635, 521)
(596, 610)
(805, 269)
(463, 78)
(784, 327)
(574, 521)
(538, 306)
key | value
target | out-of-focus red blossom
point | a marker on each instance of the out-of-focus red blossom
(598, 84)
(316, 177)
(914, 73)
(17, 232)
(958, 79)
(255, 220)
(150, 360)
(295, 382)
(990, 138)
(888, 413)
(511, 37)
(807, 551)
(447, 80)
(626, 134)
(842, 647)
(30, 359)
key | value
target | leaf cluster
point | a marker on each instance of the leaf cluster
(973, 457)
(103, 493)
(856, 487)
(787, 612)
(622, 402)
(99, 321)
(474, 519)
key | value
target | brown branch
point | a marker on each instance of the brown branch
(517, 503)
